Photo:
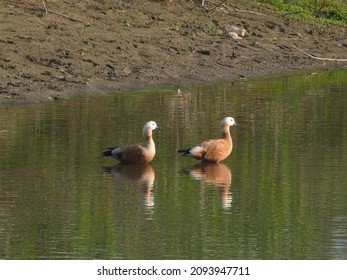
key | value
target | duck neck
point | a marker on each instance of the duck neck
(226, 133)
(148, 138)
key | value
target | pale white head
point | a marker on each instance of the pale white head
(229, 121)
(151, 125)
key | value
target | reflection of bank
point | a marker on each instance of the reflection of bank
(215, 174)
(142, 175)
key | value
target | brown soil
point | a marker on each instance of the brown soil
(128, 44)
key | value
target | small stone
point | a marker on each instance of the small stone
(234, 35)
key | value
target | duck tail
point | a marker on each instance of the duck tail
(108, 152)
(185, 152)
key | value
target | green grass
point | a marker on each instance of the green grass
(209, 29)
(318, 11)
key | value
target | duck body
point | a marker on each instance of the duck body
(136, 153)
(213, 150)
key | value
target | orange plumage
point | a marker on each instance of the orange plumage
(214, 150)
(136, 153)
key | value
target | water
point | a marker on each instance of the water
(282, 194)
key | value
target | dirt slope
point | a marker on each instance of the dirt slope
(107, 45)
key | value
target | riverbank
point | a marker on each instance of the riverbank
(93, 47)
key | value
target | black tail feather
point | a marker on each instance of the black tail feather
(108, 152)
(184, 152)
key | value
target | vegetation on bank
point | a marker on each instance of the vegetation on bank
(323, 11)
(320, 11)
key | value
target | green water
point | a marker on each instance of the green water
(282, 194)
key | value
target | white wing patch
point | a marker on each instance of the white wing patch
(197, 150)
(116, 151)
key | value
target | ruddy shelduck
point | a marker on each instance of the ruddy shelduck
(214, 150)
(136, 153)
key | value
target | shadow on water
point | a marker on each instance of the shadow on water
(213, 174)
(140, 176)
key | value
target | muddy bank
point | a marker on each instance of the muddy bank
(92, 46)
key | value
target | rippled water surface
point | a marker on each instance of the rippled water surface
(282, 194)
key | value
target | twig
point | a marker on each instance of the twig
(200, 5)
(44, 6)
(26, 14)
(250, 12)
(46, 10)
(217, 5)
(297, 12)
(68, 17)
(227, 7)
(320, 58)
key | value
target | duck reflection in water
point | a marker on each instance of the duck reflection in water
(142, 175)
(214, 174)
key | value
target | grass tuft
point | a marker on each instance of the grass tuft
(320, 11)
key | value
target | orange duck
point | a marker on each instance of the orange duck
(213, 150)
(136, 153)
